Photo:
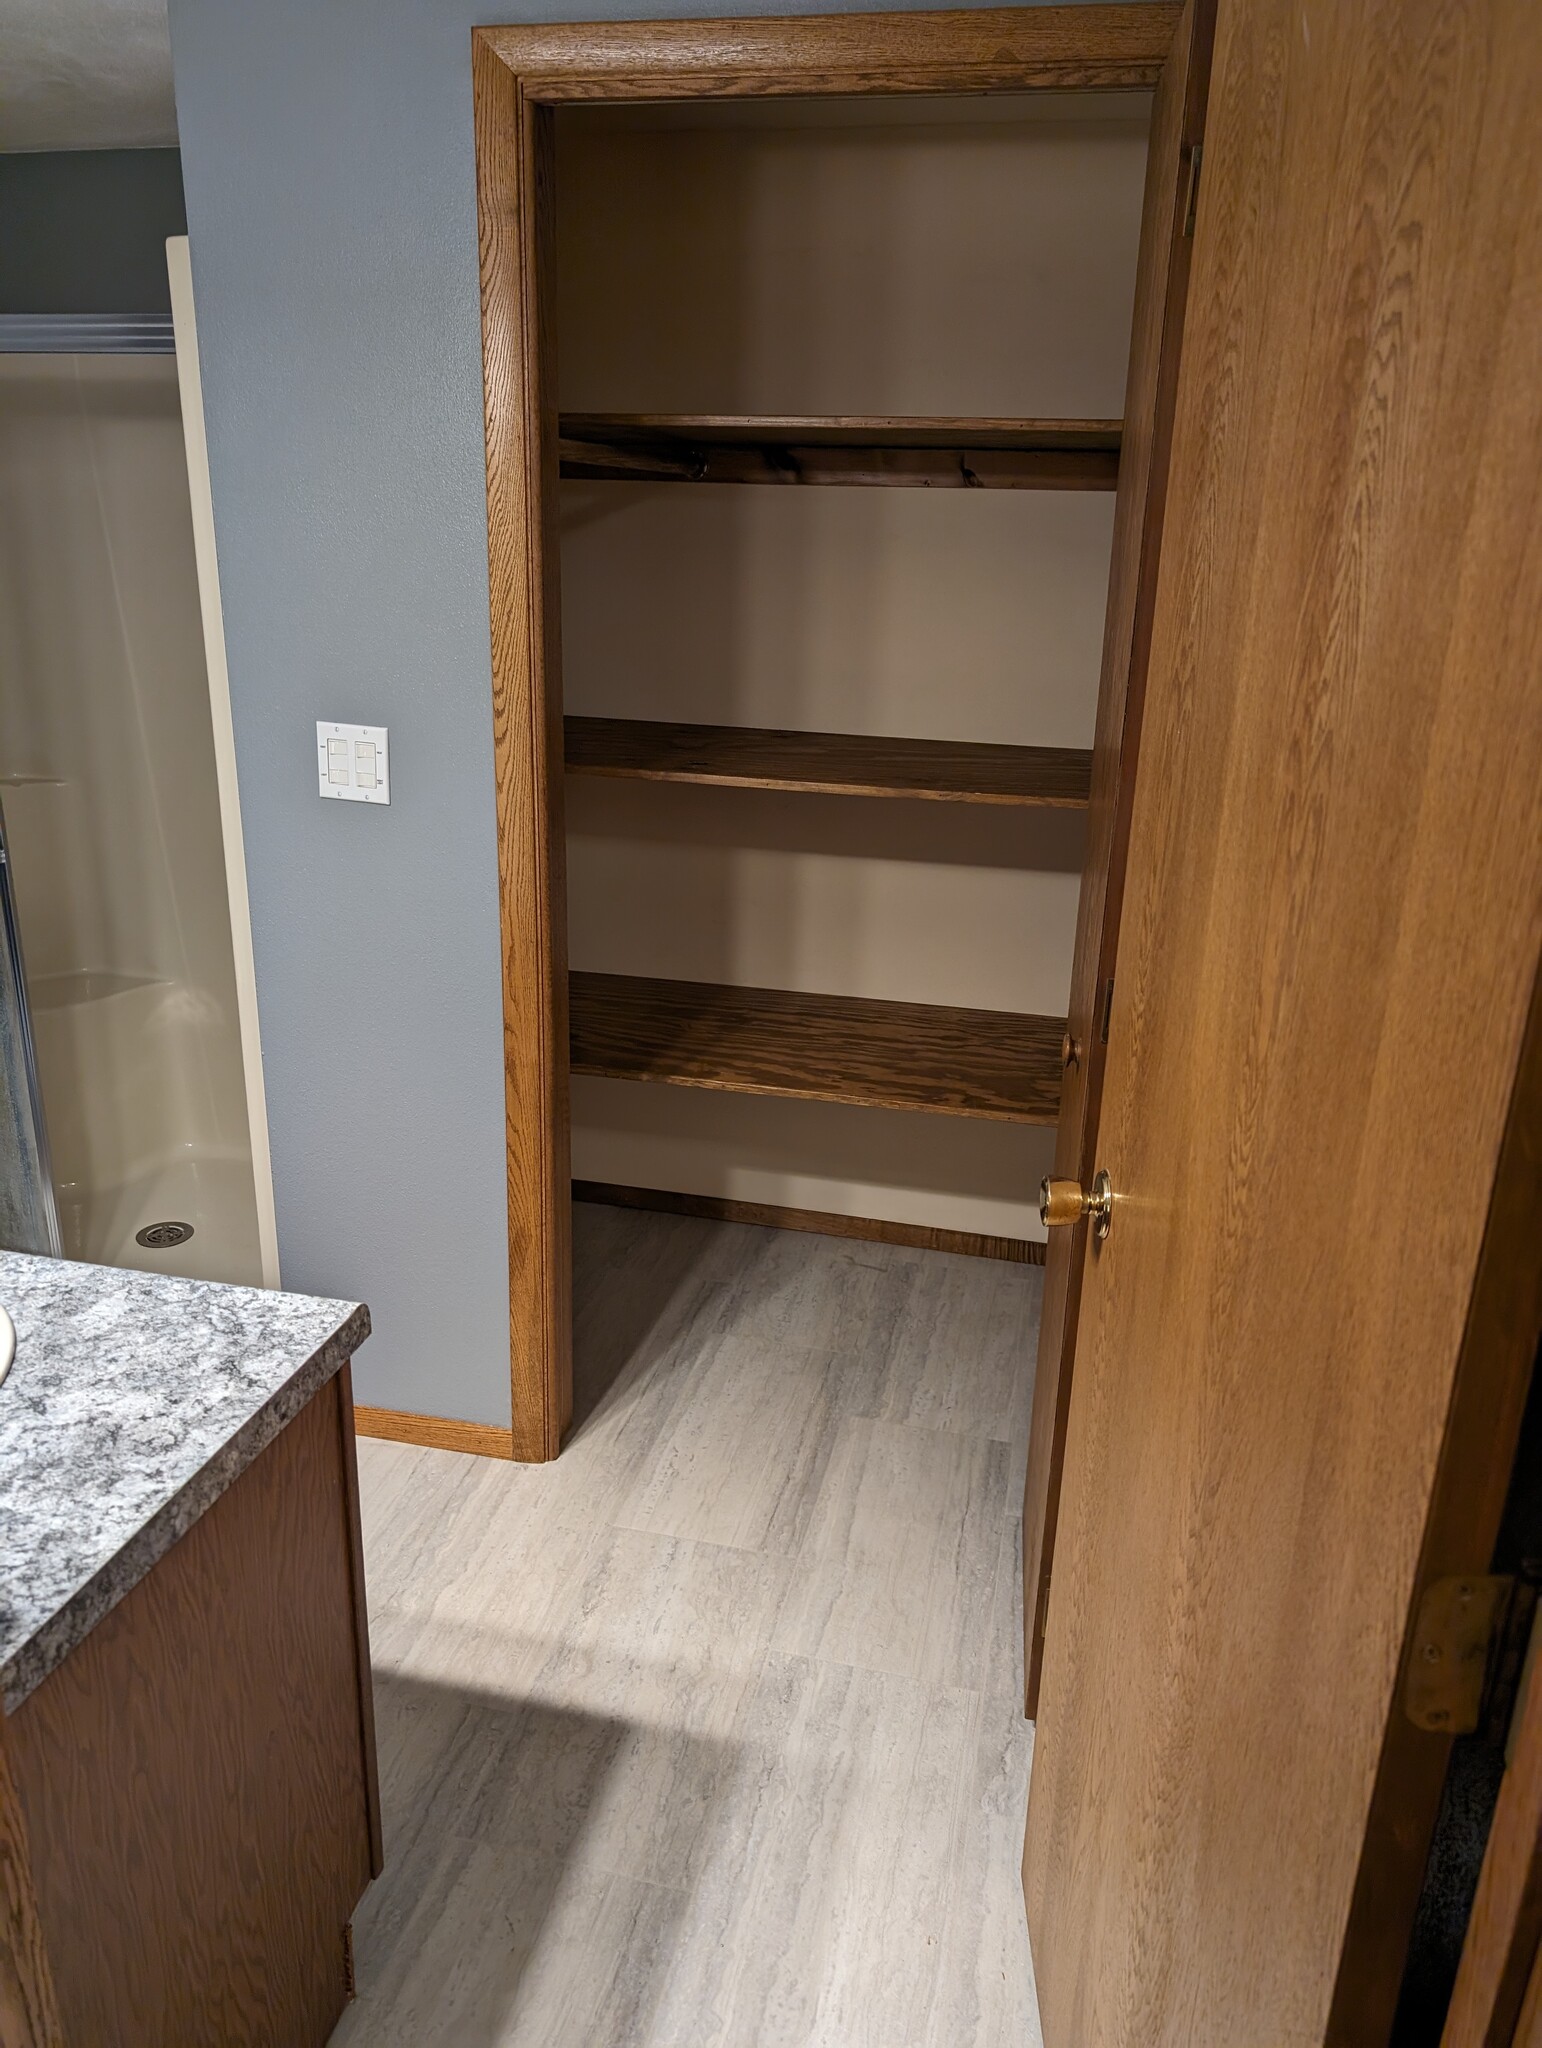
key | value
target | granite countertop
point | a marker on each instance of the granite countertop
(134, 1403)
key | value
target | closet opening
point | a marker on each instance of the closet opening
(804, 456)
(840, 387)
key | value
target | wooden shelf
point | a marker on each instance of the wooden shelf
(1039, 455)
(759, 1041)
(829, 763)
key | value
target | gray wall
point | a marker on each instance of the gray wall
(327, 157)
(84, 230)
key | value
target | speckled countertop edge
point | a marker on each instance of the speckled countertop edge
(52, 1641)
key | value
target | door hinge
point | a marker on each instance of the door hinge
(350, 1981)
(1468, 1652)
(1191, 201)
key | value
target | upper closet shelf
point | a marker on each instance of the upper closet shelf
(829, 763)
(1011, 455)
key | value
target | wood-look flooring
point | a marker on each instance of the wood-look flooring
(710, 1732)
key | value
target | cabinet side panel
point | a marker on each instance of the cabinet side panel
(192, 1775)
(29, 2007)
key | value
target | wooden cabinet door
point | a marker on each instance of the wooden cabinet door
(1328, 948)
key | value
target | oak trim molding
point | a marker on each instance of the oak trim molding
(997, 49)
(519, 74)
(434, 1432)
(515, 226)
(1462, 1529)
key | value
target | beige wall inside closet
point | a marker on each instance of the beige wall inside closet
(971, 257)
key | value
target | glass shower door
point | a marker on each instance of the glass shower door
(29, 1219)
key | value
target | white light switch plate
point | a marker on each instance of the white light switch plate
(353, 762)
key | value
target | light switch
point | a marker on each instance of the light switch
(353, 762)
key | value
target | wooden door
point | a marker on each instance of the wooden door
(1324, 1229)
(1173, 166)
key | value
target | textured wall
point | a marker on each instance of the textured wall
(327, 157)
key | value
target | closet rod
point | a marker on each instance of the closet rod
(829, 763)
(1069, 455)
(818, 1048)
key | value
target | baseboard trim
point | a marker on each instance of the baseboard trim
(435, 1432)
(1017, 1251)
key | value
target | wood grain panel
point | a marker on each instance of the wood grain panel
(817, 1048)
(436, 1432)
(829, 763)
(1016, 1251)
(29, 2006)
(348, 1452)
(1161, 291)
(960, 454)
(1002, 49)
(1477, 1457)
(514, 155)
(1528, 2029)
(1331, 876)
(192, 1774)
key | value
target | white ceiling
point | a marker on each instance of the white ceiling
(85, 74)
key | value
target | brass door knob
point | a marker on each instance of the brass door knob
(1065, 1201)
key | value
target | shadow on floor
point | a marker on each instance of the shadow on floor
(491, 1891)
(648, 1276)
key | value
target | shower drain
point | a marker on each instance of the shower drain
(160, 1237)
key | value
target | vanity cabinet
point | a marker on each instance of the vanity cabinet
(189, 1810)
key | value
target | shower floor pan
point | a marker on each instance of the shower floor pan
(214, 1195)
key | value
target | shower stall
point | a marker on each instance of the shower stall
(133, 1124)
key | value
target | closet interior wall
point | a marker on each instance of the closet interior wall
(947, 257)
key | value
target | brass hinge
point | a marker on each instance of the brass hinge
(1191, 202)
(350, 1982)
(1468, 1650)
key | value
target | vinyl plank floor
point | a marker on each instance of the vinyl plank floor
(901, 1556)
(708, 1734)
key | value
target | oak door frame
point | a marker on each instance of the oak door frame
(1462, 1529)
(519, 76)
